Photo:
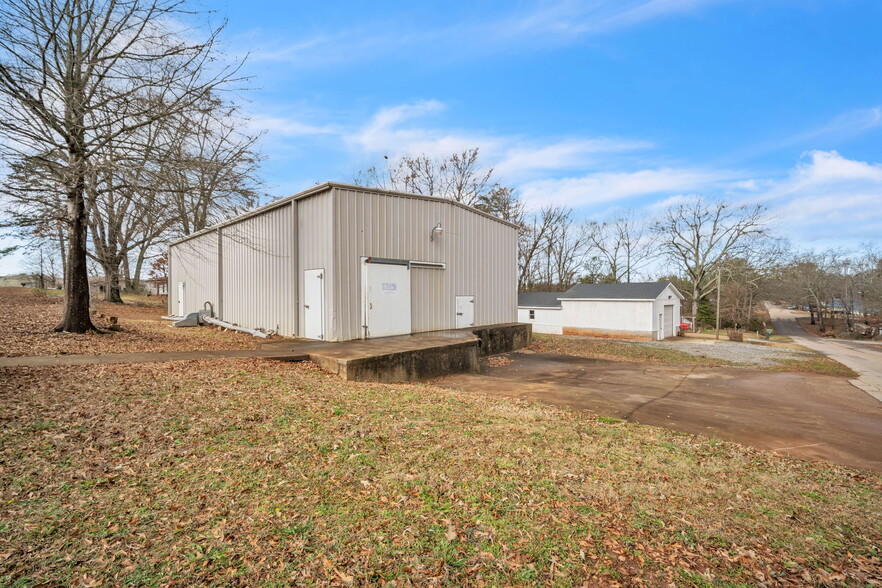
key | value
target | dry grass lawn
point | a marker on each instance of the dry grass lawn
(262, 473)
(28, 317)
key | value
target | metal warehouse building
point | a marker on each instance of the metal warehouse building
(339, 262)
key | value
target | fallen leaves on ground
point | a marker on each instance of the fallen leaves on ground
(257, 472)
(498, 360)
(29, 315)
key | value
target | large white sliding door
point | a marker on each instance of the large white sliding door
(385, 299)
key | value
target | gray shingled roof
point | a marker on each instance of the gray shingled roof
(632, 291)
(539, 299)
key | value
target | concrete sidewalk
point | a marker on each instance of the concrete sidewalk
(147, 357)
(864, 358)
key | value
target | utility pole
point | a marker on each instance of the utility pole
(719, 271)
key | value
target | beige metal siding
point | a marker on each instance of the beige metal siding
(194, 262)
(316, 249)
(257, 272)
(480, 254)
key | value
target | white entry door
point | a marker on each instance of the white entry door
(386, 299)
(181, 292)
(669, 321)
(314, 304)
(465, 312)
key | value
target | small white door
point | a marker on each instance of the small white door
(386, 299)
(181, 291)
(465, 312)
(661, 327)
(669, 321)
(314, 304)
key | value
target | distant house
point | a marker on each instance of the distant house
(645, 310)
(19, 281)
(542, 310)
(157, 286)
(98, 285)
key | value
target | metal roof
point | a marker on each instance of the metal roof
(319, 188)
(539, 299)
(632, 291)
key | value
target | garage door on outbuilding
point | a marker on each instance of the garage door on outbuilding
(644, 310)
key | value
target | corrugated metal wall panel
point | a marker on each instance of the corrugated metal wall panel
(258, 283)
(194, 262)
(480, 254)
(316, 249)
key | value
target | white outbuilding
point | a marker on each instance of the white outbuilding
(644, 310)
(338, 262)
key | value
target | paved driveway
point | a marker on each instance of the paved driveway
(815, 417)
(864, 357)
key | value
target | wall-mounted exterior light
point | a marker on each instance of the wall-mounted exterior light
(438, 229)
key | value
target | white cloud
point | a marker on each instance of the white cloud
(828, 196)
(540, 24)
(596, 188)
(525, 158)
(845, 126)
(283, 126)
(570, 20)
(401, 130)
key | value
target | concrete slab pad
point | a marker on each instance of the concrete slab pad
(802, 415)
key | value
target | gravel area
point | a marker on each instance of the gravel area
(747, 353)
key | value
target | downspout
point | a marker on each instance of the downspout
(220, 274)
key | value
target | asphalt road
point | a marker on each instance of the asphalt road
(863, 357)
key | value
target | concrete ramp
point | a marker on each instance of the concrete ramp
(409, 358)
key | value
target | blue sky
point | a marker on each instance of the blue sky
(601, 105)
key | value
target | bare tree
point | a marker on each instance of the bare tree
(624, 246)
(532, 244)
(696, 237)
(869, 279)
(41, 264)
(746, 277)
(458, 177)
(210, 169)
(77, 76)
(812, 276)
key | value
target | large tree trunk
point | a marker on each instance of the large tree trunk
(131, 286)
(111, 282)
(62, 252)
(76, 280)
(749, 310)
(139, 266)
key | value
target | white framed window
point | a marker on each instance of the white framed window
(532, 315)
